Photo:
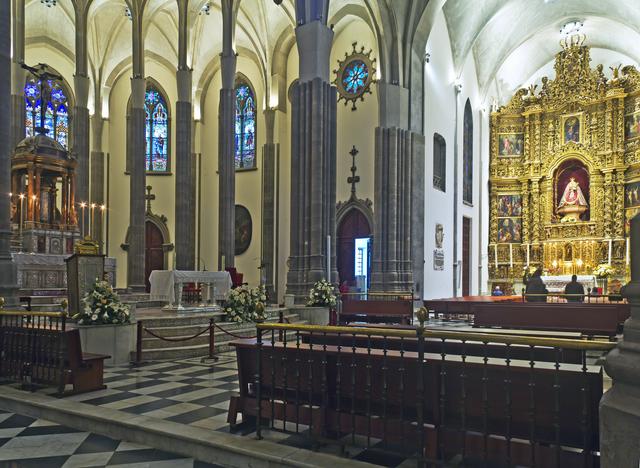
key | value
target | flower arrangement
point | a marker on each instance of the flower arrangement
(246, 304)
(604, 270)
(102, 307)
(322, 295)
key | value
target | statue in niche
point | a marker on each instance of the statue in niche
(573, 203)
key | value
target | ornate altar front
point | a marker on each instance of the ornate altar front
(565, 170)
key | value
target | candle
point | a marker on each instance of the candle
(83, 205)
(528, 258)
(91, 220)
(610, 244)
(102, 210)
(495, 251)
(628, 250)
(21, 214)
(511, 255)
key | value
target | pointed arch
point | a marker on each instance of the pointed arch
(57, 102)
(467, 154)
(245, 124)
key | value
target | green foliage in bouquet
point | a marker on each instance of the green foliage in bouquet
(246, 304)
(102, 307)
(322, 295)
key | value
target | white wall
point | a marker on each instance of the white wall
(441, 100)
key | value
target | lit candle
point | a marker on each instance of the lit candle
(83, 205)
(528, 251)
(91, 223)
(22, 197)
(511, 255)
(610, 245)
(102, 210)
(495, 251)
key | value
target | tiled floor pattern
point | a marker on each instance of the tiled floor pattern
(29, 443)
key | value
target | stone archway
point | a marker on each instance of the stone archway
(353, 237)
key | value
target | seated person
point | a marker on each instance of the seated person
(536, 290)
(574, 290)
(497, 291)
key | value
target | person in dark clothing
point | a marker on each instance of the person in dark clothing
(574, 290)
(536, 290)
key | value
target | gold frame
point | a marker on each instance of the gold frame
(563, 120)
(635, 112)
(509, 155)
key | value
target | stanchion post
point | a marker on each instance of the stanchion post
(212, 340)
(139, 343)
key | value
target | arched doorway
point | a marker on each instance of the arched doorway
(354, 249)
(154, 250)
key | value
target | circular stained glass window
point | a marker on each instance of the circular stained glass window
(355, 77)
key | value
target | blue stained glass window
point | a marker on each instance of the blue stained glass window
(355, 77)
(245, 134)
(156, 131)
(56, 115)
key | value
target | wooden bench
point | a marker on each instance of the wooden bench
(377, 310)
(588, 319)
(463, 305)
(375, 393)
(48, 356)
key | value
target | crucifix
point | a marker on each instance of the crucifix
(354, 179)
(149, 197)
(43, 75)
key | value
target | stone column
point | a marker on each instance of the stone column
(81, 83)
(18, 75)
(620, 405)
(8, 283)
(226, 141)
(97, 174)
(313, 155)
(137, 179)
(395, 147)
(185, 171)
(268, 204)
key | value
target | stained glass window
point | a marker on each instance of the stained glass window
(56, 114)
(355, 77)
(245, 138)
(156, 131)
(467, 155)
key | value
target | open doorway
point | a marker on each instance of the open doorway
(354, 251)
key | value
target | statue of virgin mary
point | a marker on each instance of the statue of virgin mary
(573, 203)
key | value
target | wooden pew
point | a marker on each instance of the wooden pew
(47, 356)
(391, 311)
(449, 347)
(588, 319)
(463, 305)
(376, 394)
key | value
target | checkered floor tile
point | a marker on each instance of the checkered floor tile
(27, 442)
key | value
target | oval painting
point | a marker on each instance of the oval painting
(244, 229)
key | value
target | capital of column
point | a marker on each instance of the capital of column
(184, 79)
(394, 105)
(314, 48)
(138, 88)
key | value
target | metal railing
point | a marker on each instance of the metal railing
(433, 395)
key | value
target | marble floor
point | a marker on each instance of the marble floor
(35, 443)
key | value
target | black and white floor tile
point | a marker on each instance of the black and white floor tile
(35, 443)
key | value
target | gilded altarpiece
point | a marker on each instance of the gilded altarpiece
(565, 170)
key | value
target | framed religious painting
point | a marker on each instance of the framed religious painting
(244, 229)
(510, 144)
(509, 230)
(571, 128)
(632, 126)
(632, 195)
(509, 205)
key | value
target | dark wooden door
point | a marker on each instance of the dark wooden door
(154, 254)
(354, 225)
(466, 256)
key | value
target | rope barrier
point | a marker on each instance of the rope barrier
(176, 340)
(242, 337)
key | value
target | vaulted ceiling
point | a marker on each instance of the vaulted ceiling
(513, 42)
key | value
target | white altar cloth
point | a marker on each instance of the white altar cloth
(556, 284)
(166, 285)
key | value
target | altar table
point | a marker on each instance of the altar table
(556, 284)
(167, 285)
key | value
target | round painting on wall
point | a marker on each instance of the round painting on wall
(354, 76)
(244, 229)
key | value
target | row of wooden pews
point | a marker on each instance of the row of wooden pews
(493, 398)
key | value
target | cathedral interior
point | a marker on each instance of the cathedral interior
(412, 148)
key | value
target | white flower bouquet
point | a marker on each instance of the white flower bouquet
(102, 307)
(242, 305)
(604, 270)
(322, 295)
